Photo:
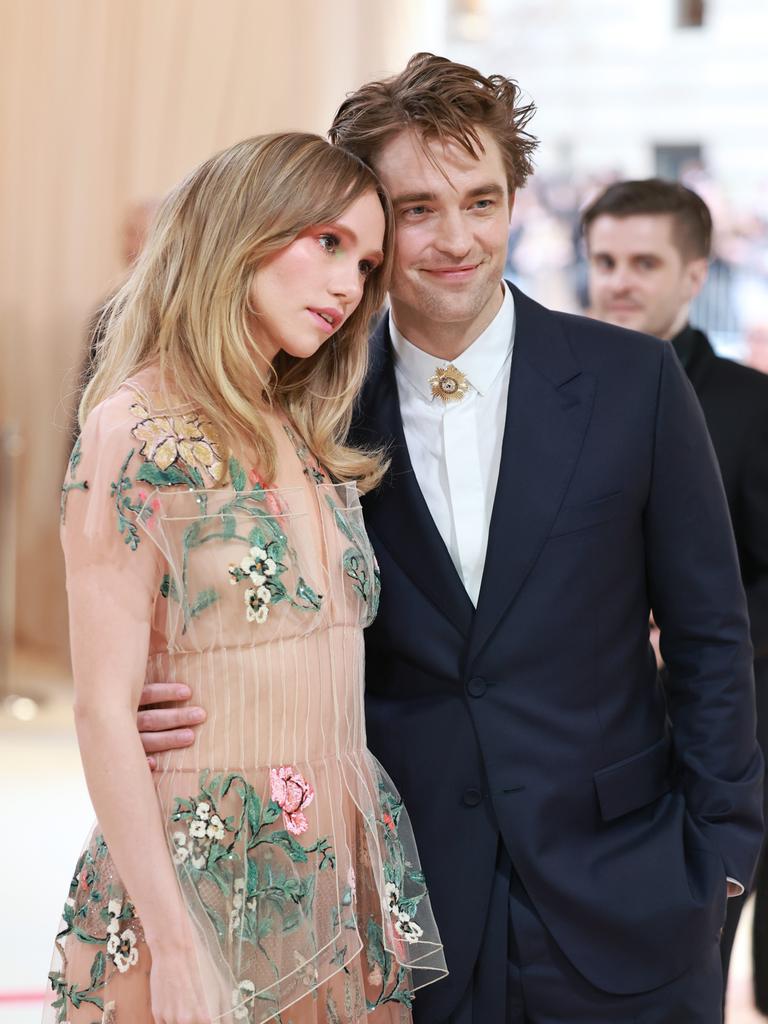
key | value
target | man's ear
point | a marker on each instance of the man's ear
(696, 274)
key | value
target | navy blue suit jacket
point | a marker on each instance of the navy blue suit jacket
(539, 718)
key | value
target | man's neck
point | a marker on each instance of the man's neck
(445, 340)
(677, 324)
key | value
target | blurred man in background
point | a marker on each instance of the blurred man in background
(648, 245)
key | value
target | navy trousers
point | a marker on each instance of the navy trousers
(522, 977)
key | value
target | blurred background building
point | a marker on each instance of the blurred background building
(106, 104)
(674, 88)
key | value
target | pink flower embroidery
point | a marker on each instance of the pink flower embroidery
(148, 510)
(291, 792)
(271, 500)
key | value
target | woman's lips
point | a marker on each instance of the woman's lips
(327, 319)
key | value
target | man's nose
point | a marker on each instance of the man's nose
(454, 237)
(620, 279)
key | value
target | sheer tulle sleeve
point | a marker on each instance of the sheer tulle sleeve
(113, 569)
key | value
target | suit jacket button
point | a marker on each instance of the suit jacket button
(472, 797)
(476, 687)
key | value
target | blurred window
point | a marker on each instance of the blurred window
(691, 13)
(468, 20)
(671, 160)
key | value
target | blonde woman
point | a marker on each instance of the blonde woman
(213, 534)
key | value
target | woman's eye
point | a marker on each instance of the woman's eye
(329, 242)
(366, 267)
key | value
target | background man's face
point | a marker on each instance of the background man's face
(451, 237)
(638, 277)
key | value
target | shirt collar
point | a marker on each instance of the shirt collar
(482, 362)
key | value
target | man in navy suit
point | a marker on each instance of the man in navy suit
(551, 481)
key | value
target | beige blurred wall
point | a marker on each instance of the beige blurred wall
(104, 103)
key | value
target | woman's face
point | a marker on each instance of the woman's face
(306, 291)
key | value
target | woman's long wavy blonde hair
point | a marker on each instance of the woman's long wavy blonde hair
(185, 304)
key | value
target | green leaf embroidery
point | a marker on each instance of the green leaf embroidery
(204, 600)
(98, 968)
(237, 475)
(72, 484)
(151, 474)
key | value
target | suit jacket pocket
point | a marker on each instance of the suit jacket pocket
(591, 513)
(635, 781)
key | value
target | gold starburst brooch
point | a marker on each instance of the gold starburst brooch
(449, 384)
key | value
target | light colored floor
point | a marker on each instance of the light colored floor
(46, 816)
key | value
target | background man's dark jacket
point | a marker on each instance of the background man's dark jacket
(734, 399)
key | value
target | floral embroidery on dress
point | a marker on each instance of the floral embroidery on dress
(129, 512)
(242, 996)
(311, 465)
(246, 517)
(356, 565)
(259, 568)
(292, 793)
(381, 965)
(97, 913)
(72, 484)
(256, 899)
(121, 945)
(268, 553)
(182, 442)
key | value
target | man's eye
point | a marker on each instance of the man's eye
(415, 211)
(483, 204)
(329, 242)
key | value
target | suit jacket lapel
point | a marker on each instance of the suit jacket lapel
(396, 512)
(701, 359)
(548, 411)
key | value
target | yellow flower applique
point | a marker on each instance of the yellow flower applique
(169, 440)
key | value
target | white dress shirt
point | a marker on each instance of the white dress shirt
(455, 447)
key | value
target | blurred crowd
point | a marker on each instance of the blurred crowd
(547, 257)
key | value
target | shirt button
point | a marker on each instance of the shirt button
(476, 687)
(472, 797)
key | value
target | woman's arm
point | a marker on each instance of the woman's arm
(113, 577)
(116, 771)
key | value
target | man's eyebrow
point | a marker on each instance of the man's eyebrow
(413, 197)
(491, 188)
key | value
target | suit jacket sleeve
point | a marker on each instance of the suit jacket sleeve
(751, 520)
(698, 602)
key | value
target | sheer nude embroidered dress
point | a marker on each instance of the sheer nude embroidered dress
(292, 849)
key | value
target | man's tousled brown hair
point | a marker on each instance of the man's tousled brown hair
(441, 100)
(692, 222)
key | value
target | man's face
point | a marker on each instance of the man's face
(451, 237)
(638, 277)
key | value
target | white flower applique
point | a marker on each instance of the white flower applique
(259, 568)
(405, 926)
(204, 829)
(121, 946)
(242, 996)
